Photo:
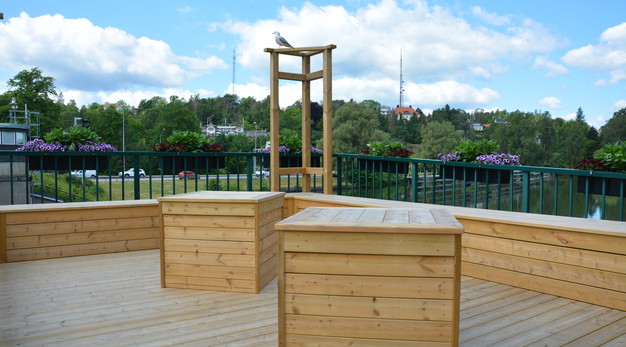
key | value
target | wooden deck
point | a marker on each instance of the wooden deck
(116, 300)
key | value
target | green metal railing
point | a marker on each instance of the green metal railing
(36, 177)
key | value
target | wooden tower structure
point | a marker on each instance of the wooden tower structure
(305, 77)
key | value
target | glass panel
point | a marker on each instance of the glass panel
(20, 138)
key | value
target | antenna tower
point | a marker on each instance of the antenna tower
(401, 82)
(233, 72)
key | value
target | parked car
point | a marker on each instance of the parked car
(87, 173)
(187, 174)
(131, 173)
(262, 172)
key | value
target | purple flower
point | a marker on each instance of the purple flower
(498, 159)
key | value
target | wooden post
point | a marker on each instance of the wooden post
(306, 124)
(274, 123)
(305, 77)
(328, 122)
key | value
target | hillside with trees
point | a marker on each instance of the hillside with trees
(536, 137)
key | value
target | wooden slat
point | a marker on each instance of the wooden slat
(208, 208)
(391, 287)
(316, 341)
(3, 238)
(226, 247)
(80, 238)
(596, 296)
(105, 223)
(580, 240)
(61, 214)
(369, 307)
(270, 216)
(228, 272)
(213, 234)
(557, 254)
(373, 265)
(395, 244)
(564, 272)
(83, 249)
(369, 328)
(210, 283)
(211, 259)
(235, 222)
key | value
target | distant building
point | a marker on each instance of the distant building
(385, 110)
(404, 112)
(214, 130)
(478, 127)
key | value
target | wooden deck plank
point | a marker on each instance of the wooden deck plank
(116, 299)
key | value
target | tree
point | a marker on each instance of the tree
(572, 138)
(439, 137)
(580, 117)
(614, 129)
(32, 88)
(354, 126)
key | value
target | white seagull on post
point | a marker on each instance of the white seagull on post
(281, 40)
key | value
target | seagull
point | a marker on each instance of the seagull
(281, 40)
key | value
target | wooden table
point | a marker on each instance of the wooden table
(369, 276)
(222, 241)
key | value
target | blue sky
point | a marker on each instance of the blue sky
(553, 56)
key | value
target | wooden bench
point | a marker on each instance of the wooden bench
(29, 232)
(576, 258)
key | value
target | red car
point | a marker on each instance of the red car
(187, 174)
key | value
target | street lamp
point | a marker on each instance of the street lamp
(161, 135)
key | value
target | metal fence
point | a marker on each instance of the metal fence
(37, 177)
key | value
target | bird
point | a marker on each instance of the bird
(281, 40)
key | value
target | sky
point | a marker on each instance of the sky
(531, 55)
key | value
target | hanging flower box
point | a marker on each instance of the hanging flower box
(57, 162)
(195, 163)
(595, 185)
(378, 165)
(456, 172)
(294, 160)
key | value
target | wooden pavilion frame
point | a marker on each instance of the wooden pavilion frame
(305, 77)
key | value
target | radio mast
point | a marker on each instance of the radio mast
(401, 82)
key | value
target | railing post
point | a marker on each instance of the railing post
(525, 191)
(414, 182)
(137, 178)
(250, 170)
(339, 175)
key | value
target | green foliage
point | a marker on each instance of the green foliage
(613, 155)
(354, 126)
(293, 142)
(469, 150)
(51, 183)
(386, 149)
(192, 141)
(72, 136)
(614, 129)
(439, 137)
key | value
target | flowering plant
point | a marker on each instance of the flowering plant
(289, 144)
(592, 164)
(498, 159)
(62, 141)
(384, 149)
(449, 157)
(611, 157)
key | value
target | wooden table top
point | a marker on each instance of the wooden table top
(378, 220)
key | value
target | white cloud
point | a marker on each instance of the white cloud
(620, 104)
(436, 45)
(130, 97)
(568, 116)
(552, 68)
(81, 55)
(449, 92)
(185, 9)
(608, 56)
(551, 102)
(490, 18)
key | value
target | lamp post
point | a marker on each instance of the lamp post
(161, 135)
